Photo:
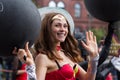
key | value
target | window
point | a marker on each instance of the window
(52, 4)
(61, 5)
(77, 10)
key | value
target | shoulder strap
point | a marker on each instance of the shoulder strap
(57, 64)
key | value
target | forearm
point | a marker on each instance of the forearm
(20, 72)
(92, 68)
(5, 70)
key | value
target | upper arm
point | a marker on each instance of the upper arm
(41, 66)
(82, 73)
(89, 75)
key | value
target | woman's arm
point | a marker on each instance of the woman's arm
(20, 72)
(91, 70)
(92, 48)
(41, 62)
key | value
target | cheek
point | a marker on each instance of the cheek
(54, 29)
(54, 32)
(67, 31)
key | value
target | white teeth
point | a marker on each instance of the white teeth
(60, 34)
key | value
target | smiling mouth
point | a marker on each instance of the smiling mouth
(61, 34)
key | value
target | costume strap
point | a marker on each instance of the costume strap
(57, 64)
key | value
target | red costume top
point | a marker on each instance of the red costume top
(65, 72)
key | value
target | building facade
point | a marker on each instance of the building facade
(82, 19)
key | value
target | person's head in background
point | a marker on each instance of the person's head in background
(55, 31)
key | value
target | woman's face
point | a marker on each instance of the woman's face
(59, 28)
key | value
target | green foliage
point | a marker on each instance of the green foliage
(99, 33)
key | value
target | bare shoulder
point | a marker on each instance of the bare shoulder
(41, 59)
(41, 56)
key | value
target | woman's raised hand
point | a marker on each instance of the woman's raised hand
(91, 44)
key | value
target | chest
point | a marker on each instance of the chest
(57, 64)
(65, 72)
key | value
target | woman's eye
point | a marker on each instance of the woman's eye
(65, 26)
(56, 25)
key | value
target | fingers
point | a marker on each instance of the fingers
(26, 46)
(27, 49)
(22, 55)
(91, 43)
(84, 44)
(94, 38)
(90, 37)
(87, 37)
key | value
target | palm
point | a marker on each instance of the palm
(91, 44)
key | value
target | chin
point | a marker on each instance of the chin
(61, 40)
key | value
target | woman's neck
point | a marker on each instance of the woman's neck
(58, 48)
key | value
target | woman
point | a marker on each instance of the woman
(58, 52)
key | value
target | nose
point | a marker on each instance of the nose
(62, 28)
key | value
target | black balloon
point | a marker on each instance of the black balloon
(19, 23)
(106, 10)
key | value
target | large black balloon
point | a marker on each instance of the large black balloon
(19, 23)
(106, 10)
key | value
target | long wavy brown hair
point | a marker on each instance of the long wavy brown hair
(44, 43)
